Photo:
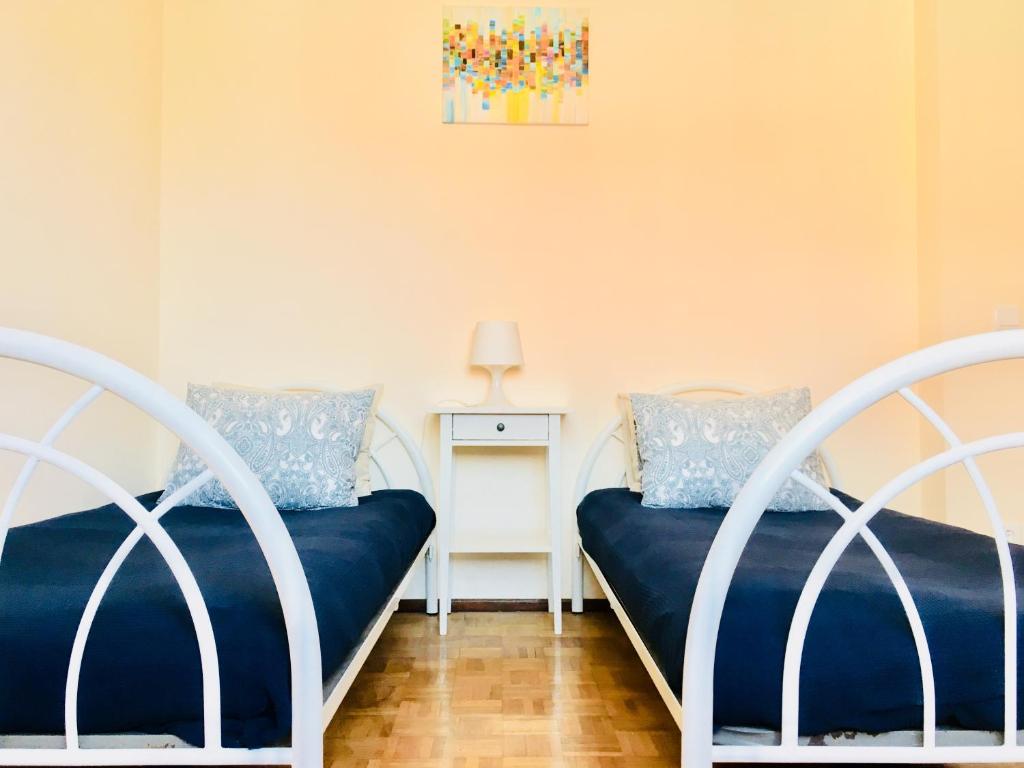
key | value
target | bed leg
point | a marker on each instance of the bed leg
(430, 575)
(312, 756)
(577, 581)
(307, 714)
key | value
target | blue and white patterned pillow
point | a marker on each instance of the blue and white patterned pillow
(698, 454)
(302, 446)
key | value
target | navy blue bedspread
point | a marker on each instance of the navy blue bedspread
(141, 672)
(860, 669)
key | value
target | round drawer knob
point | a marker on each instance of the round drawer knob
(501, 427)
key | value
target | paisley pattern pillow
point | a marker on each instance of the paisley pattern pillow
(303, 446)
(364, 480)
(699, 454)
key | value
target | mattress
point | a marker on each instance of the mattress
(860, 670)
(140, 671)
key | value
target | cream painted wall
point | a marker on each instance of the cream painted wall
(971, 180)
(284, 196)
(79, 186)
(742, 206)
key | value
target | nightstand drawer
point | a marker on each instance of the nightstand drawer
(486, 426)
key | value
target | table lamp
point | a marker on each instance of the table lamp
(496, 347)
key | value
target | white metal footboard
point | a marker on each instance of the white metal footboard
(106, 375)
(782, 463)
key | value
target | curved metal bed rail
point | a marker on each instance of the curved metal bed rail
(107, 375)
(412, 452)
(782, 463)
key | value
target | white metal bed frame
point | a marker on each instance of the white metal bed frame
(313, 703)
(694, 714)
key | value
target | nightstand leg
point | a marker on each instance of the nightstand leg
(555, 516)
(551, 584)
(451, 581)
(444, 524)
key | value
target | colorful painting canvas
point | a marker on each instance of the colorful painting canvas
(515, 65)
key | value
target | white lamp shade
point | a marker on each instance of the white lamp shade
(496, 342)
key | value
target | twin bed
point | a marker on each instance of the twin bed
(808, 636)
(152, 633)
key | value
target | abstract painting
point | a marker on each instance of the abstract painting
(515, 65)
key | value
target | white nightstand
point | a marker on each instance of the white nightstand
(500, 427)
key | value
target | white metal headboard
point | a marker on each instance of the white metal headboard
(397, 433)
(612, 430)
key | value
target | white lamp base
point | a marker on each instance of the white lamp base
(496, 395)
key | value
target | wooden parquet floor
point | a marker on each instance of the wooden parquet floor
(501, 691)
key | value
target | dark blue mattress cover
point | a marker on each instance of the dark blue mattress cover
(140, 672)
(860, 670)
